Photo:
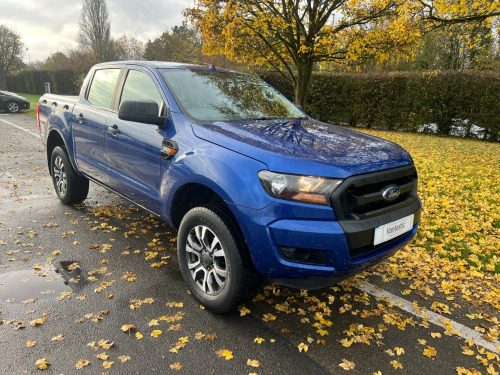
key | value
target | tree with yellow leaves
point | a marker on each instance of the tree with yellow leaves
(472, 24)
(449, 12)
(292, 36)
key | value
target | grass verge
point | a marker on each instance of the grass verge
(33, 102)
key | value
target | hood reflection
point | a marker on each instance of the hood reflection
(310, 139)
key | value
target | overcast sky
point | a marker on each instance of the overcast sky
(52, 25)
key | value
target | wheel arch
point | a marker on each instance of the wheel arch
(53, 140)
(191, 195)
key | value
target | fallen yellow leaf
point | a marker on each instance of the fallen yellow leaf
(244, 311)
(103, 356)
(303, 347)
(467, 351)
(105, 344)
(42, 364)
(225, 353)
(396, 364)
(347, 365)
(81, 363)
(124, 358)
(253, 363)
(156, 333)
(128, 327)
(37, 322)
(268, 317)
(430, 352)
(176, 366)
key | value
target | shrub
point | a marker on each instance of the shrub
(404, 101)
(33, 82)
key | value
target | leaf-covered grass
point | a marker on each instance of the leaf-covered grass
(33, 102)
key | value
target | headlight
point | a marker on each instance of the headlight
(310, 189)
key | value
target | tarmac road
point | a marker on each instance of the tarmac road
(126, 264)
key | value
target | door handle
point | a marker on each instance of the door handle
(80, 118)
(114, 129)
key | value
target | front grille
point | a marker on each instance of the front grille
(360, 197)
(360, 207)
(366, 200)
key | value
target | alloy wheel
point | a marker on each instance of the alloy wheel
(206, 260)
(60, 176)
(13, 107)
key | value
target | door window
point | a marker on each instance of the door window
(139, 86)
(102, 88)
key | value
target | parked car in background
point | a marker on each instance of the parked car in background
(13, 103)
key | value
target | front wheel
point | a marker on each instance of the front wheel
(12, 107)
(213, 260)
(70, 187)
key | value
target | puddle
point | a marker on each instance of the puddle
(46, 283)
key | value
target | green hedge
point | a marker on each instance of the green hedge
(33, 82)
(452, 101)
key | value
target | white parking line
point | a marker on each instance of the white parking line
(21, 128)
(432, 317)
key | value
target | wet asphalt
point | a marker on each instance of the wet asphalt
(90, 269)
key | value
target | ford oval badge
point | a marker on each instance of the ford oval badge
(391, 193)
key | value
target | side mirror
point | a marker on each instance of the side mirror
(145, 111)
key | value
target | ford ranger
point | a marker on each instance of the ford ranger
(254, 186)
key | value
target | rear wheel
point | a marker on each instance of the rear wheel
(213, 259)
(70, 187)
(12, 107)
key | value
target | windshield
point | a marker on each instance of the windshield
(209, 96)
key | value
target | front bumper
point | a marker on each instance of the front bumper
(281, 226)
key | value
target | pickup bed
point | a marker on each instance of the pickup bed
(254, 186)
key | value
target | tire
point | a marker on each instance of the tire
(213, 259)
(70, 187)
(12, 107)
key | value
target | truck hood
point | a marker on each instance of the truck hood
(305, 146)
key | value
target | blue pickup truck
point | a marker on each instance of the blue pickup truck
(255, 187)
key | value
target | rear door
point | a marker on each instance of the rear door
(89, 123)
(133, 149)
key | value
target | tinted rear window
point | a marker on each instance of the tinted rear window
(102, 87)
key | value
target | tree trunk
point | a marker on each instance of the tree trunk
(304, 73)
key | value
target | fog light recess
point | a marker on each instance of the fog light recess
(301, 255)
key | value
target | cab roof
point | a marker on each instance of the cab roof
(165, 65)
